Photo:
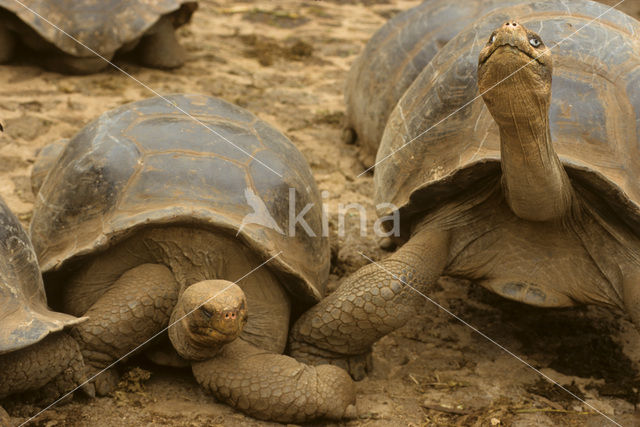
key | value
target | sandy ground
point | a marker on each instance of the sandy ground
(286, 61)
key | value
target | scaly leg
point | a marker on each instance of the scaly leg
(136, 307)
(369, 304)
(159, 47)
(53, 366)
(276, 387)
(69, 64)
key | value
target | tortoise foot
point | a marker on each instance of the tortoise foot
(159, 48)
(106, 382)
(276, 387)
(358, 365)
(67, 64)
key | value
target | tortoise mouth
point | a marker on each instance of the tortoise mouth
(209, 332)
(213, 330)
(510, 47)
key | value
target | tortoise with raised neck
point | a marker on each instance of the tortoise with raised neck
(532, 197)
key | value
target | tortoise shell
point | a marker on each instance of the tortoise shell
(441, 140)
(102, 25)
(148, 162)
(397, 53)
(24, 315)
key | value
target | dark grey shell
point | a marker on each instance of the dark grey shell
(394, 57)
(24, 315)
(441, 139)
(149, 163)
(102, 25)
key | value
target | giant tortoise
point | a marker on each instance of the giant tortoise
(36, 351)
(150, 217)
(67, 35)
(533, 193)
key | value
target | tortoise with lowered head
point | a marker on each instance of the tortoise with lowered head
(532, 194)
(36, 351)
(141, 222)
(393, 58)
(105, 27)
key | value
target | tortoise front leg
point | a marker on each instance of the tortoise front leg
(53, 366)
(159, 47)
(374, 301)
(136, 307)
(276, 387)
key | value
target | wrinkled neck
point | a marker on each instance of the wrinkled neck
(536, 186)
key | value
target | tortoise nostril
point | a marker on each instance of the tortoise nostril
(230, 315)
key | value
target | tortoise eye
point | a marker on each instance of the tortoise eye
(206, 312)
(534, 41)
(492, 38)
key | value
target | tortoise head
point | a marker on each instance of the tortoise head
(208, 315)
(514, 74)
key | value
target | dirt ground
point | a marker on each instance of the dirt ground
(286, 61)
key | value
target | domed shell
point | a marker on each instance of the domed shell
(24, 315)
(394, 57)
(102, 25)
(149, 162)
(441, 139)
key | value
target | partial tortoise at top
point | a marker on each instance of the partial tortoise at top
(36, 352)
(533, 193)
(393, 58)
(176, 211)
(68, 35)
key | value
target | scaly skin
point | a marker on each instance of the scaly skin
(136, 307)
(370, 304)
(276, 387)
(53, 366)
